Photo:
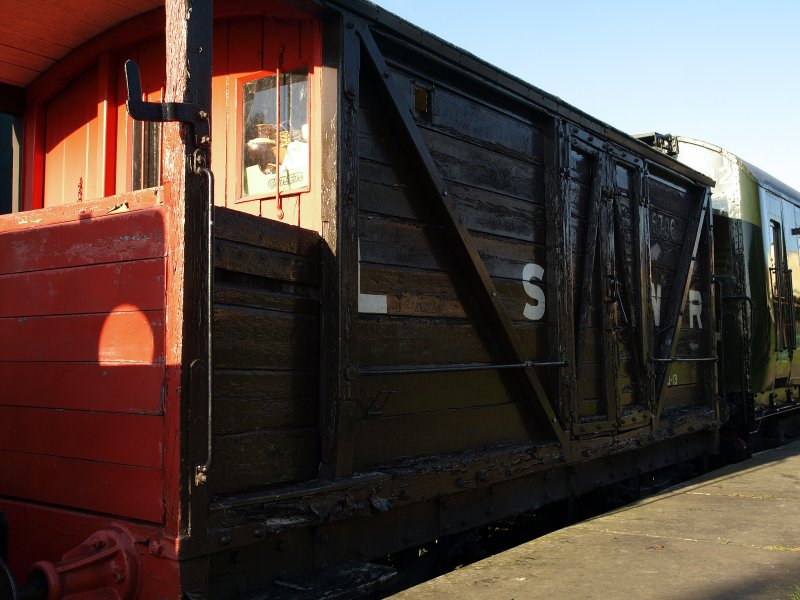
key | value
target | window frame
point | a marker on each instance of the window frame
(238, 106)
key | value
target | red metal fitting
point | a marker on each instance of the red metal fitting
(104, 566)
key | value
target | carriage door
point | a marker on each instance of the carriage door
(608, 226)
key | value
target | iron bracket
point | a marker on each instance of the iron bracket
(185, 112)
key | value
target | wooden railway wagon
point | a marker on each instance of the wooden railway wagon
(428, 296)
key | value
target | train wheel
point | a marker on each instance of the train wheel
(8, 589)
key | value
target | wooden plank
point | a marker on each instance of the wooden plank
(71, 130)
(266, 457)
(119, 388)
(113, 438)
(18, 75)
(389, 395)
(420, 246)
(263, 339)
(676, 203)
(404, 244)
(420, 293)
(392, 192)
(464, 116)
(135, 235)
(64, 291)
(234, 295)
(269, 264)
(251, 400)
(236, 226)
(223, 124)
(122, 490)
(392, 342)
(385, 440)
(468, 164)
(119, 337)
(667, 228)
(488, 212)
(506, 258)
(244, 54)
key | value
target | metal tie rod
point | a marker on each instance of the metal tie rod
(457, 368)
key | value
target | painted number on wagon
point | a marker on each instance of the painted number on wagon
(532, 274)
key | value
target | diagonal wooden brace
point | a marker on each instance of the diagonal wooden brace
(463, 243)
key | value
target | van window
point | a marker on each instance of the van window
(275, 144)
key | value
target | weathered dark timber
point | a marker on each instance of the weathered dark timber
(266, 324)
(341, 275)
(560, 295)
(588, 266)
(460, 233)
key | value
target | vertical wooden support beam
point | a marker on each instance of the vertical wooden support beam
(340, 260)
(589, 260)
(188, 34)
(607, 273)
(712, 382)
(106, 125)
(646, 321)
(33, 157)
(558, 237)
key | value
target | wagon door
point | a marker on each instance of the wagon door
(609, 229)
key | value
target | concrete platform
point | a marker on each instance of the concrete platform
(729, 535)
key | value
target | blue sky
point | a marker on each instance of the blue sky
(724, 72)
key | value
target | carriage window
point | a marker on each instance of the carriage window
(275, 145)
(782, 295)
(146, 155)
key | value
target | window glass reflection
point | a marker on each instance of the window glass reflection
(275, 125)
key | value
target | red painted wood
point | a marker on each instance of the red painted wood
(128, 236)
(33, 157)
(135, 336)
(114, 438)
(219, 108)
(134, 492)
(32, 219)
(63, 291)
(248, 8)
(70, 139)
(136, 389)
(107, 120)
(133, 30)
(40, 532)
